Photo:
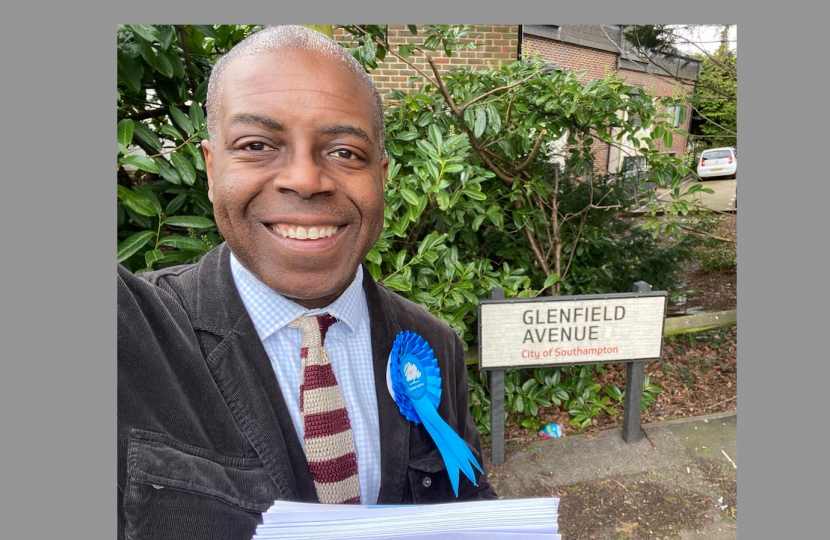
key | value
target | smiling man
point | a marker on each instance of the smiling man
(260, 373)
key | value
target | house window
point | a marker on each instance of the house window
(677, 115)
(633, 166)
(636, 94)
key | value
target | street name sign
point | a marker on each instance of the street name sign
(564, 330)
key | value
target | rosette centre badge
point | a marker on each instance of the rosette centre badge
(415, 384)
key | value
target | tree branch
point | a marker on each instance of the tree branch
(533, 153)
(499, 89)
(712, 121)
(543, 264)
(507, 179)
(398, 56)
(187, 61)
(153, 113)
(705, 235)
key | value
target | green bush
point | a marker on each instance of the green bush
(478, 195)
(164, 215)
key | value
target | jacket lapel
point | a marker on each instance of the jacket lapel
(243, 373)
(394, 428)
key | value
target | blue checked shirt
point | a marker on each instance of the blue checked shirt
(349, 346)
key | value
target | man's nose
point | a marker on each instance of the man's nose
(304, 175)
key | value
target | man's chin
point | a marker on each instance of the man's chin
(310, 293)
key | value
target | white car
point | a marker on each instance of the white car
(718, 162)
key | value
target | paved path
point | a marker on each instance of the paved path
(684, 487)
(722, 200)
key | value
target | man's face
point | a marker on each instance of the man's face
(295, 174)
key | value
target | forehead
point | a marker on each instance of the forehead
(296, 81)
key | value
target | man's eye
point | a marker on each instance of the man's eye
(345, 154)
(255, 146)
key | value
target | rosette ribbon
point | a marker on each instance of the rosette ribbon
(416, 387)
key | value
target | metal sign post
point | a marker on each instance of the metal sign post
(567, 331)
(634, 375)
(497, 403)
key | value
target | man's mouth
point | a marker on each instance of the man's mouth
(300, 232)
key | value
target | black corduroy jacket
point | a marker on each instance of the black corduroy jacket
(205, 442)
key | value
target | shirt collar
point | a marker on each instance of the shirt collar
(271, 311)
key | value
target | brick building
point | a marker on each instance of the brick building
(597, 49)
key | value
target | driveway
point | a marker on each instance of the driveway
(722, 200)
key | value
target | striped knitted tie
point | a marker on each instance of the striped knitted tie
(328, 433)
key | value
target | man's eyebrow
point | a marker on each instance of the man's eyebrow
(346, 129)
(257, 120)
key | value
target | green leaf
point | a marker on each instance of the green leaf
(129, 72)
(142, 162)
(152, 256)
(176, 204)
(184, 168)
(397, 283)
(164, 66)
(518, 405)
(201, 92)
(399, 260)
(480, 122)
(143, 30)
(147, 192)
(125, 134)
(147, 53)
(178, 67)
(147, 136)
(693, 188)
(183, 242)
(194, 222)
(207, 30)
(197, 116)
(413, 29)
(181, 120)
(435, 136)
(551, 279)
(409, 196)
(164, 33)
(136, 202)
(178, 256)
(170, 132)
(475, 195)
(128, 247)
(493, 117)
(167, 172)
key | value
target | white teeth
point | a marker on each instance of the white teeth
(313, 233)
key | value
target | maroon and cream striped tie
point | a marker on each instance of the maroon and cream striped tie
(329, 445)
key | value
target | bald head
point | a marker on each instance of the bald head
(272, 39)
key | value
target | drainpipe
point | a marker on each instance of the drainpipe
(519, 52)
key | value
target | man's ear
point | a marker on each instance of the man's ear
(207, 149)
(384, 168)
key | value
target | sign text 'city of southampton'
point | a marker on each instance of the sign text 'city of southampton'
(571, 329)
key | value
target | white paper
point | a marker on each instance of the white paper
(500, 519)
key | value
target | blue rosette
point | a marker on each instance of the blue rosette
(415, 384)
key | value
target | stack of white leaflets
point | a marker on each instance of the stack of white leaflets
(500, 520)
